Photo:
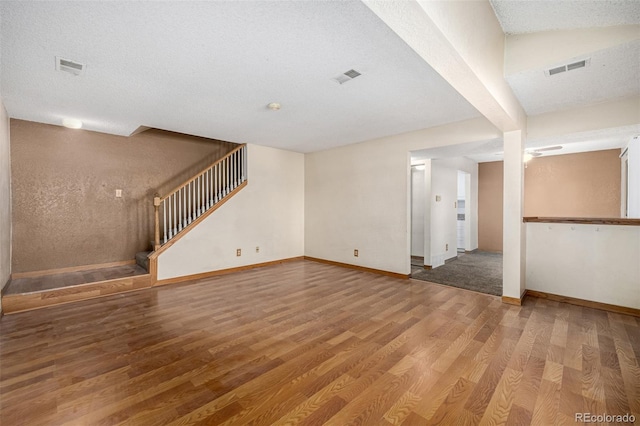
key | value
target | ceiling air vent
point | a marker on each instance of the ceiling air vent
(575, 65)
(347, 76)
(71, 67)
(557, 70)
(568, 67)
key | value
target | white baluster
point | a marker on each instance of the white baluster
(203, 202)
(226, 176)
(244, 163)
(185, 216)
(219, 187)
(231, 167)
(241, 164)
(185, 220)
(200, 189)
(234, 181)
(215, 184)
(175, 214)
(210, 180)
(221, 180)
(193, 196)
(221, 165)
(205, 192)
(179, 210)
(170, 218)
(198, 196)
(188, 189)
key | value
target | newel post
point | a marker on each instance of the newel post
(156, 207)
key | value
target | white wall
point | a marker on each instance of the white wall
(268, 213)
(471, 203)
(590, 262)
(357, 196)
(418, 207)
(444, 194)
(5, 199)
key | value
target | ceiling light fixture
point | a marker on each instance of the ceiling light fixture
(419, 166)
(527, 157)
(274, 106)
(72, 123)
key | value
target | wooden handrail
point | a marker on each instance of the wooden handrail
(197, 175)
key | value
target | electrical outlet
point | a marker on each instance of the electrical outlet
(257, 249)
(239, 252)
(355, 252)
(118, 193)
(446, 246)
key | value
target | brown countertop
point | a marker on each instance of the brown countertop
(585, 220)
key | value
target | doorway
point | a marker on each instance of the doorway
(444, 226)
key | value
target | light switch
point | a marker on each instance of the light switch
(118, 193)
(438, 198)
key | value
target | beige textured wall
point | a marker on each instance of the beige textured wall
(65, 212)
(575, 185)
(490, 192)
(5, 198)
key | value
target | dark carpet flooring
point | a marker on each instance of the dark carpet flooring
(479, 271)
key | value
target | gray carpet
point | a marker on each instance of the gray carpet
(479, 271)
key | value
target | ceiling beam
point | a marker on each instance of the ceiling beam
(464, 43)
(618, 113)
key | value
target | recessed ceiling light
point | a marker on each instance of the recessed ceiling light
(274, 106)
(72, 123)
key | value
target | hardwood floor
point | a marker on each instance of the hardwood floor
(308, 343)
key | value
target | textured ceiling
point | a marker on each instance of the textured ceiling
(612, 73)
(532, 16)
(210, 68)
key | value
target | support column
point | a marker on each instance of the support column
(514, 236)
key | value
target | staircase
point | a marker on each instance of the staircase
(189, 203)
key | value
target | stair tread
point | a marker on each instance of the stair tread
(142, 259)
